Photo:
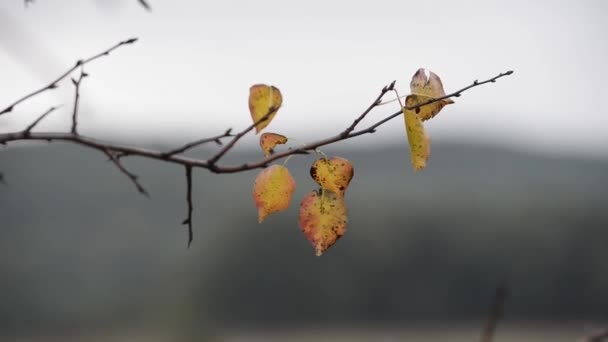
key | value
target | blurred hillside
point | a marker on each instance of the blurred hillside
(80, 249)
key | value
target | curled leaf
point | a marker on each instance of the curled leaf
(272, 190)
(269, 140)
(420, 147)
(423, 89)
(332, 174)
(322, 219)
(264, 102)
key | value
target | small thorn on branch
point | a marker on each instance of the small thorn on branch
(188, 220)
(130, 41)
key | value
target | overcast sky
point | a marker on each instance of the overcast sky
(190, 73)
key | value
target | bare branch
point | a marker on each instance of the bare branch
(216, 139)
(211, 162)
(29, 128)
(188, 219)
(54, 83)
(377, 102)
(495, 314)
(132, 177)
(77, 99)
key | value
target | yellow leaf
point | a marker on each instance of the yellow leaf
(269, 140)
(322, 219)
(424, 89)
(420, 146)
(264, 102)
(272, 190)
(332, 174)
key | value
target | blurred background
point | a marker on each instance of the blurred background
(514, 191)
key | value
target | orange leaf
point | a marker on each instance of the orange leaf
(420, 146)
(264, 102)
(423, 89)
(269, 140)
(332, 174)
(272, 190)
(322, 219)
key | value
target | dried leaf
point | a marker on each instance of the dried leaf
(272, 190)
(420, 146)
(332, 174)
(264, 101)
(322, 219)
(424, 89)
(269, 140)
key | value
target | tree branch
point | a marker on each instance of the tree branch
(29, 128)
(188, 219)
(175, 156)
(216, 139)
(133, 177)
(77, 99)
(116, 152)
(54, 83)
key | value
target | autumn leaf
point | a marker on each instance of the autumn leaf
(332, 174)
(420, 146)
(322, 219)
(264, 101)
(269, 140)
(272, 190)
(424, 89)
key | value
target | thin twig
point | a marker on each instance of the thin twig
(77, 99)
(188, 146)
(29, 128)
(131, 176)
(54, 83)
(211, 161)
(188, 219)
(495, 314)
(368, 110)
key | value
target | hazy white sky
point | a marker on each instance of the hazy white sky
(189, 74)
